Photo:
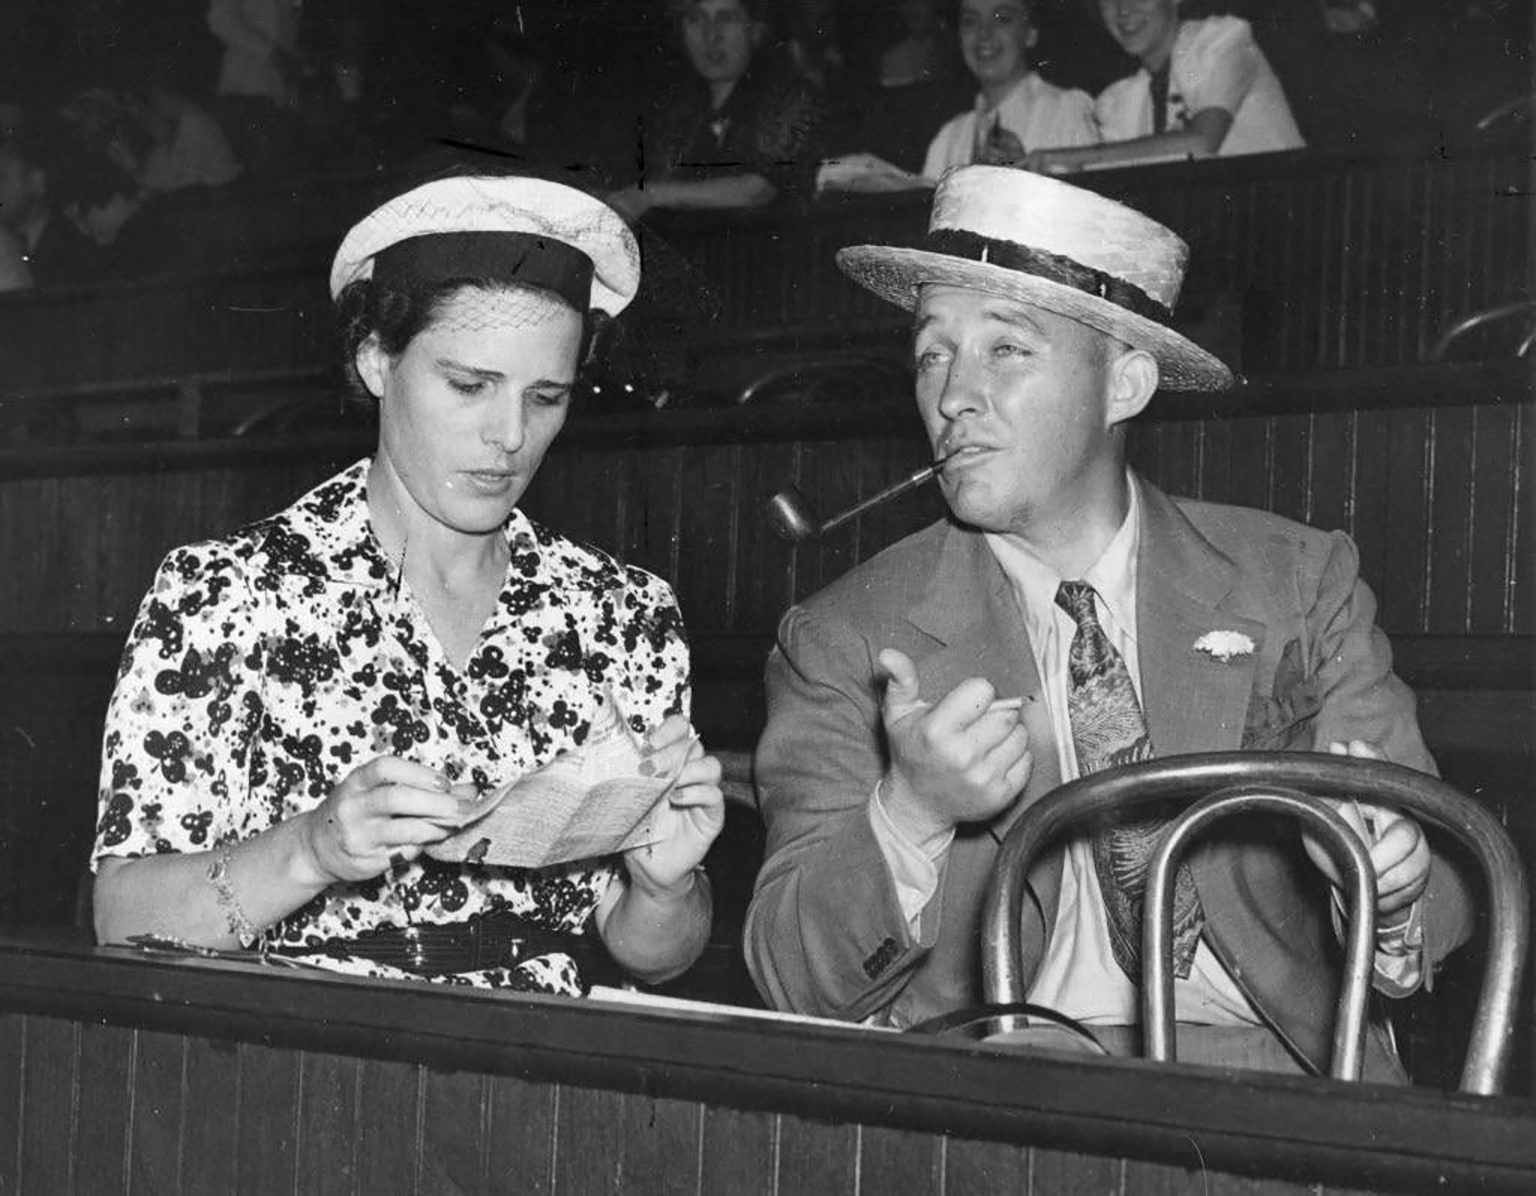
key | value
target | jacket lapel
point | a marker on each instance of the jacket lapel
(1192, 701)
(971, 610)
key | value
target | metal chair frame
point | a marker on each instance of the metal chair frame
(1262, 773)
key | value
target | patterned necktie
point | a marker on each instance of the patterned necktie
(1159, 88)
(1108, 730)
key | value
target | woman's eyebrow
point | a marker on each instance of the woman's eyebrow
(449, 363)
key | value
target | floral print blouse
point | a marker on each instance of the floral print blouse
(265, 666)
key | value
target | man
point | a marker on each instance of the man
(1120, 623)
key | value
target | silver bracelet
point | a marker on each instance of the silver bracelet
(234, 916)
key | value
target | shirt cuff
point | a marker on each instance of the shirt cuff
(914, 871)
(1399, 963)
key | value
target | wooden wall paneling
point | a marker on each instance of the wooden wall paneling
(710, 509)
(455, 1131)
(327, 1153)
(1331, 499)
(1060, 1173)
(1494, 448)
(1156, 1179)
(390, 1104)
(1406, 531)
(763, 560)
(737, 1152)
(520, 1147)
(51, 1082)
(899, 1162)
(653, 511)
(161, 1124)
(1369, 509)
(13, 1046)
(817, 1158)
(1251, 479)
(899, 517)
(613, 478)
(1520, 469)
(1397, 312)
(106, 1101)
(210, 1109)
(1454, 508)
(591, 1145)
(971, 1166)
(1216, 463)
(878, 464)
(833, 473)
(662, 1139)
(266, 1153)
(1291, 482)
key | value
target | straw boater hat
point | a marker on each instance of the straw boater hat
(1036, 240)
(522, 230)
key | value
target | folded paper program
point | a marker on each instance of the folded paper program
(591, 801)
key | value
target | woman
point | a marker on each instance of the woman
(1204, 89)
(735, 135)
(308, 704)
(1016, 111)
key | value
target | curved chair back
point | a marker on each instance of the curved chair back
(1174, 777)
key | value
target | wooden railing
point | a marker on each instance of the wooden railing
(1299, 262)
(122, 1072)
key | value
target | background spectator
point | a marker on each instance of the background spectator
(259, 76)
(187, 148)
(52, 246)
(733, 135)
(1016, 111)
(1204, 88)
(926, 51)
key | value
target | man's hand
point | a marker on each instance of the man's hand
(1399, 850)
(962, 760)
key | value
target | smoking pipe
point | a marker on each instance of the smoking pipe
(791, 516)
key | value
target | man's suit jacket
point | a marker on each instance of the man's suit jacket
(825, 934)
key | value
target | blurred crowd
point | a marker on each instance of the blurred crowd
(109, 109)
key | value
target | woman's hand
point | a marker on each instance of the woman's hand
(687, 819)
(1002, 148)
(381, 814)
(1399, 851)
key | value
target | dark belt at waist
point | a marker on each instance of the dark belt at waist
(492, 940)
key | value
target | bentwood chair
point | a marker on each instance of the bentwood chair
(1289, 783)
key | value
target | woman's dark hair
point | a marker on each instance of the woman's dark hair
(758, 10)
(397, 313)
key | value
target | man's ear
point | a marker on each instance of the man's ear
(372, 365)
(1132, 377)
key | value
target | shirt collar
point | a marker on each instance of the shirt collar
(340, 547)
(1113, 575)
(1028, 83)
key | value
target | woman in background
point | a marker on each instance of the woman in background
(1016, 111)
(308, 704)
(1204, 89)
(735, 135)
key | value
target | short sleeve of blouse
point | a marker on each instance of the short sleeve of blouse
(656, 651)
(1220, 65)
(178, 727)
